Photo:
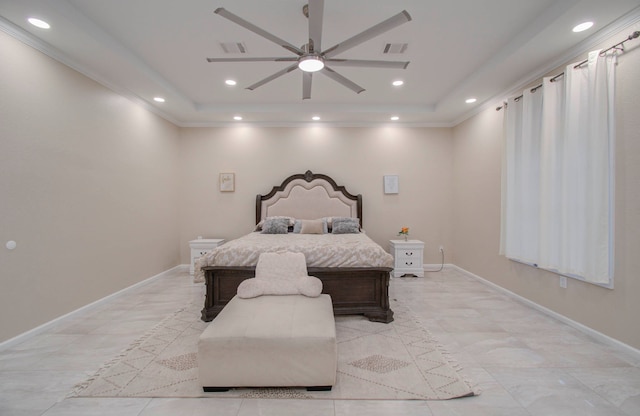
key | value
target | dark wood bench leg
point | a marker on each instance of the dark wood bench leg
(215, 389)
(319, 388)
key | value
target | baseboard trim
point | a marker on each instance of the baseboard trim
(48, 325)
(577, 325)
(433, 268)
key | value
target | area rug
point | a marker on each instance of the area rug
(396, 361)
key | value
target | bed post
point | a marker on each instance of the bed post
(258, 208)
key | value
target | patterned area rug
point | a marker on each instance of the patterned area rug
(396, 361)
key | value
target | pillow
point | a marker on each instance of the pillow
(281, 265)
(309, 286)
(290, 220)
(281, 273)
(345, 226)
(311, 227)
(329, 221)
(275, 226)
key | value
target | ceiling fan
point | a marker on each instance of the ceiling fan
(311, 57)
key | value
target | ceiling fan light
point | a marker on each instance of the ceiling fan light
(311, 63)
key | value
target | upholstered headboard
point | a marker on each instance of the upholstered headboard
(309, 196)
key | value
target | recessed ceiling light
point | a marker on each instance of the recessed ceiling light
(158, 99)
(397, 83)
(315, 118)
(39, 23)
(237, 118)
(230, 82)
(471, 100)
(583, 26)
(395, 118)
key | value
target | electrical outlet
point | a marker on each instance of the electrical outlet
(563, 282)
(441, 249)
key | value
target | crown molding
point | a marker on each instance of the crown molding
(623, 24)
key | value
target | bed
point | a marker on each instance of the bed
(353, 269)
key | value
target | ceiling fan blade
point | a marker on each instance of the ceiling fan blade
(316, 12)
(342, 80)
(362, 63)
(372, 32)
(255, 29)
(307, 77)
(272, 77)
(292, 59)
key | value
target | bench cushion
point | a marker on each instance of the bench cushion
(270, 341)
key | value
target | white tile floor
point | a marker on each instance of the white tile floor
(525, 362)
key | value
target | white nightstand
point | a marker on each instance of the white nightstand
(200, 247)
(407, 257)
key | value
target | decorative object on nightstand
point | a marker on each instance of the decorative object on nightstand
(200, 247)
(404, 231)
(407, 257)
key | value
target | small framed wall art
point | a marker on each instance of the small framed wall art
(390, 184)
(227, 182)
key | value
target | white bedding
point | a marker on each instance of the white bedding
(320, 250)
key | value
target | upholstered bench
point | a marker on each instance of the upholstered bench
(270, 341)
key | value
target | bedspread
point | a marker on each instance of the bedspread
(320, 250)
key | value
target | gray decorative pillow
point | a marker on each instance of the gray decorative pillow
(259, 225)
(346, 226)
(275, 226)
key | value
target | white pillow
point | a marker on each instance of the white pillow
(309, 286)
(308, 226)
(281, 273)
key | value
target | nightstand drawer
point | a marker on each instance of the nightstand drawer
(196, 254)
(408, 253)
(408, 261)
(200, 247)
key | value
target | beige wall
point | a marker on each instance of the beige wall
(88, 190)
(355, 157)
(101, 194)
(476, 202)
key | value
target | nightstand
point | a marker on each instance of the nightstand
(200, 247)
(407, 257)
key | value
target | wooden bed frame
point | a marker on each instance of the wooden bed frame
(353, 290)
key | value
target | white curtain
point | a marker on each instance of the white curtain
(558, 173)
(523, 166)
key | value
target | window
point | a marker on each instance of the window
(558, 173)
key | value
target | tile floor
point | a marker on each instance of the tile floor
(525, 362)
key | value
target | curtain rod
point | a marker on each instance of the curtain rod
(632, 36)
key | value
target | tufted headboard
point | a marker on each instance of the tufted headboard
(309, 196)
